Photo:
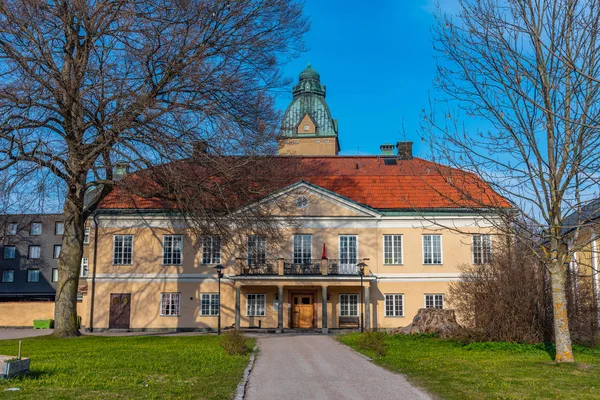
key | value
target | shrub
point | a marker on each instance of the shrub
(507, 300)
(234, 342)
(373, 341)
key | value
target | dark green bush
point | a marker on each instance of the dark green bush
(373, 341)
(234, 342)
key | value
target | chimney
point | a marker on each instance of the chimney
(387, 149)
(200, 147)
(405, 150)
(121, 169)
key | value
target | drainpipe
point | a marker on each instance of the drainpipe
(93, 290)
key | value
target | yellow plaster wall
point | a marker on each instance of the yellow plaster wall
(22, 314)
(414, 299)
(147, 250)
(145, 304)
(313, 146)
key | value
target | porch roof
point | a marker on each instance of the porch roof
(299, 280)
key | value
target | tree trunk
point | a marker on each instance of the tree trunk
(562, 337)
(65, 311)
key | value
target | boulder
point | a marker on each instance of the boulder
(432, 320)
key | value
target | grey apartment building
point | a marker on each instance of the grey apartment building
(31, 245)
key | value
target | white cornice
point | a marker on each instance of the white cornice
(420, 277)
(310, 222)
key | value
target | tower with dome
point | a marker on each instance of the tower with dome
(307, 128)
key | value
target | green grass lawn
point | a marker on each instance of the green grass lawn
(488, 370)
(149, 367)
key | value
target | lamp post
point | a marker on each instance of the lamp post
(219, 269)
(361, 271)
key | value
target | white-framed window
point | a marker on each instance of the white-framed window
(432, 249)
(123, 250)
(34, 252)
(394, 305)
(85, 267)
(434, 301)
(54, 274)
(33, 275)
(348, 254)
(349, 305)
(211, 250)
(392, 249)
(57, 250)
(172, 249)
(257, 250)
(10, 252)
(169, 304)
(482, 249)
(59, 228)
(255, 305)
(79, 297)
(8, 275)
(302, 249)
(36, 229)
(86, 235)
(209, 304)
(12, 228)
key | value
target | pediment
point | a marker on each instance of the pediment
(306, 200)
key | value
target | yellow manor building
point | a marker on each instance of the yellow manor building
(375, 239)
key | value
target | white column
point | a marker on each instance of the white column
(279, 309)
(324, 327)
(367, 308)
(238, 295)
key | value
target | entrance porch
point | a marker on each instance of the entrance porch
(302, 303)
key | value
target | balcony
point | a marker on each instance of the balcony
(314, 267)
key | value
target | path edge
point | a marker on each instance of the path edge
(240, 393)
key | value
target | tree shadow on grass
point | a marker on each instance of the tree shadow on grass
(550, 349)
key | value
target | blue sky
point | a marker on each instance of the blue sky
(376, 59)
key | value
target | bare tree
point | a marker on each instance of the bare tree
(528, 72)
(86, 84)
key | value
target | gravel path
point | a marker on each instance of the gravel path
(318, 367)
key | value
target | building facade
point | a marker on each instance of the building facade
(376, 238)
(31, 245)
(582, 230)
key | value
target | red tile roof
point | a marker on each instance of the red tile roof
(408, 184)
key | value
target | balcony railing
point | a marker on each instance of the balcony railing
(312, 267)
(268, 267)
(308, 267)
(342, 267)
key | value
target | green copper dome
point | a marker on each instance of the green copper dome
(309, 98)
(310, 73)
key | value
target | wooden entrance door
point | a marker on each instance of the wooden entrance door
(303, 311)
(120, 306)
